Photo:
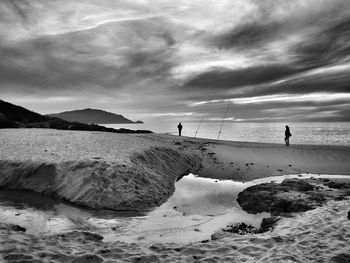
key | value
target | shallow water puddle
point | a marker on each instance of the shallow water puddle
(44, 215)
(198, 208)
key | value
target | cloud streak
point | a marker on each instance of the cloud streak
(286, 98)
(163, 57)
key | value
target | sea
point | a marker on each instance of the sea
(320, 133)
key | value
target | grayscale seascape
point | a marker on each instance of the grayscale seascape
(174, 131)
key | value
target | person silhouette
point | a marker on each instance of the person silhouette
(287, 134)
(179, 127)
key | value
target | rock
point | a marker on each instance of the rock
(338, 185)
(292, 195)
(241, 229)
(268, 224)
(298, 184)
(18, 228)
(88, 259)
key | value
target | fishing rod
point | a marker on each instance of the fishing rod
(199, 126)
(222, 122)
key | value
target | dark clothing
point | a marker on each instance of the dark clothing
(287, 134)
(179, 127)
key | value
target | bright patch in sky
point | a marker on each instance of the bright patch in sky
(313, 97)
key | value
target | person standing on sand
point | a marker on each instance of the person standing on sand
(287, 134)
(179, 127)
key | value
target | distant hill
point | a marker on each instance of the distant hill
(92, 116)
(13, 116)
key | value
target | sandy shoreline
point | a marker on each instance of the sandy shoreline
(244, 161)
(122, 171)
(248, 161)
(118, 171)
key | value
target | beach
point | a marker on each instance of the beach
(174, 131)
(137, 172)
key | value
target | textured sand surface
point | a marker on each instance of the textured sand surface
(247, 161)
(319, 235)
(122, 171)
(97, 170)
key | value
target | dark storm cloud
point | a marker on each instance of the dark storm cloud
(309, 55)
(164, 56)
(329, 45)
(80, 59)
(249, 35)
(32, 65)
(226, 79)
(273, 20)
(307, 82)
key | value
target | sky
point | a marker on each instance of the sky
(183, 60)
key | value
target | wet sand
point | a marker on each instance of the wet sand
(318, 235)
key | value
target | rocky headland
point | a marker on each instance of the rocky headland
(13, 116)
(94, 116)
